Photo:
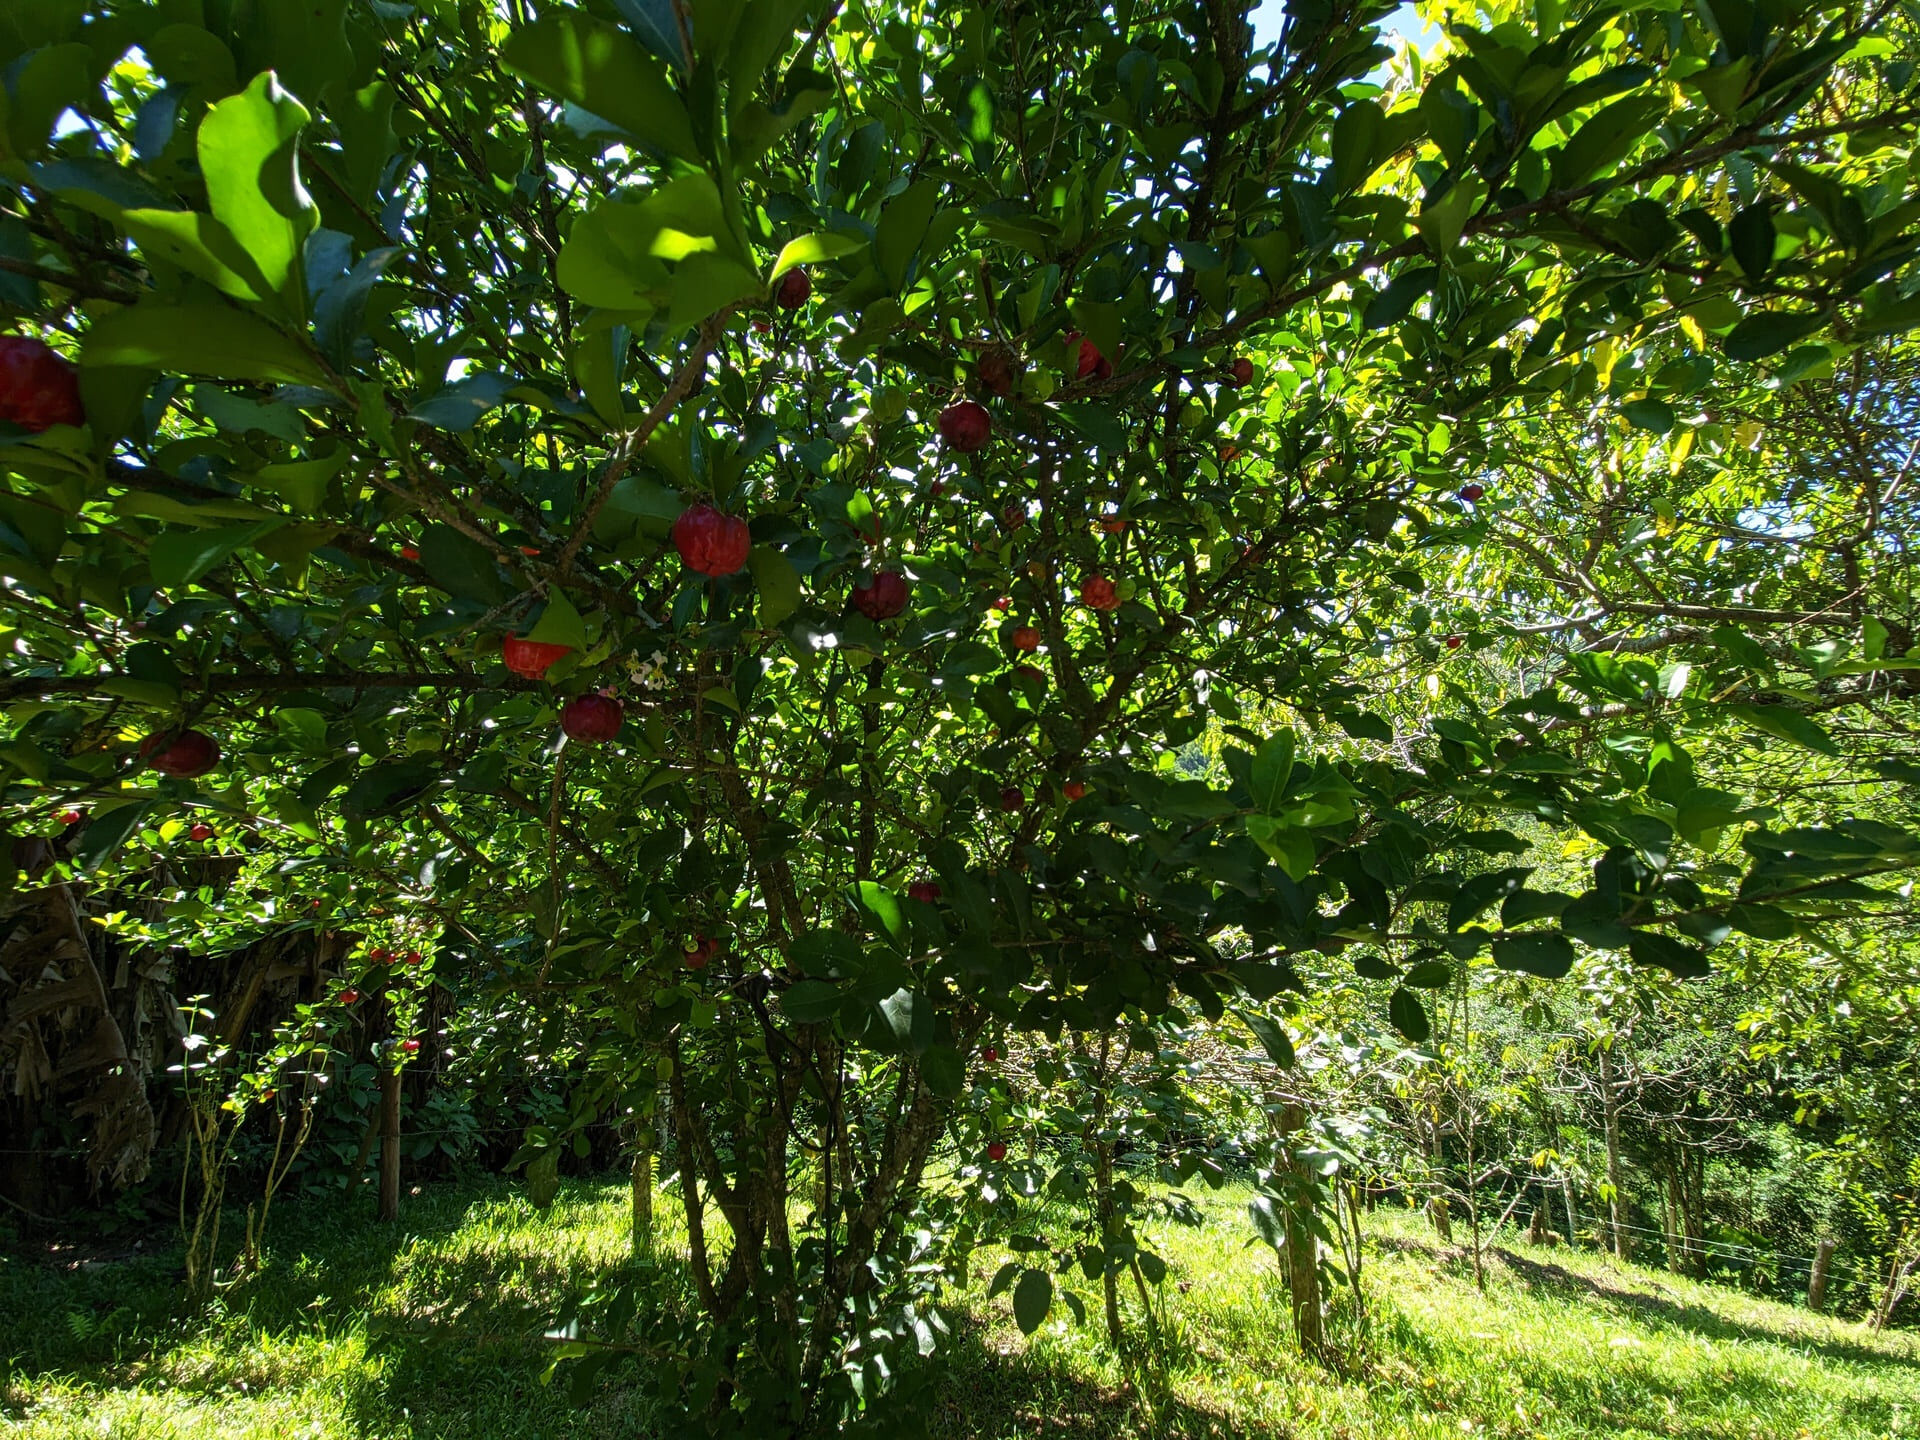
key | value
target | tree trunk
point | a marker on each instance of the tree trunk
(1817, 1281)
(1442, 1222)
(1573, 1217)
(1617, 1202)
(1670, 1220)
(1303, 1250)
(643, 1191)
(389, 1143)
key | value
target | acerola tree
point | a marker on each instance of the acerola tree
(443, 368)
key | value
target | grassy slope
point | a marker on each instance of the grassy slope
(430, 1329)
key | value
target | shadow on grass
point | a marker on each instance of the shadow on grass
(992, 1388)
(1696, 1319)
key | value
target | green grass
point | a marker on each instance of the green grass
(432, 1328)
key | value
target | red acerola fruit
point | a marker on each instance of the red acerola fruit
(792, 291)
(379, 955)
(1003, 603)
(966, 426)
(183, 754)
(410, 1047)
(997, 370)
(1471, 493)
(1454, 642)
(1012, 798)
(1229, 454)
(1242, 372)
(882, 597)
(38, 389)
(936, 490)
(1026, 639)
(763, 327)
(530, 550)
(1074, 789)
(1033, 673)
(1114, 525)
(1087, 359)
(997, 1151)
(699, 954)
(710, 542)
(200, 831)
(71, 817)
(990, 1054)
(591, 719)
(413, 957)
(409, 552)
(531, 658)
(1097, 593)
(924, 891)
(349, 997)
(1014, 516)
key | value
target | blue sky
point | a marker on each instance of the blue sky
(1268, 14)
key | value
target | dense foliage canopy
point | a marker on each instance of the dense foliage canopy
(819, 535)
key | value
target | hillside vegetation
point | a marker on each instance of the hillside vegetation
(435, 1329)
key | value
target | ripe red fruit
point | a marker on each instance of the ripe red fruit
(1033, 673)
(378, 955)
(1074, 789)
(409, 552)
(1014, 516)
(1471, 493)
(990, 1054)
(410, 1047)
(529, 549)
(997, 1151)
(1026, 639)
(348, 997)
(1242, 372)
(1003, 604)
(1114, 525)
(531, 658)
(792, 291)
(71, 817)
(414, 957)
(763, 327)
(1087, 359)
(923, 890)
(184, 754)
(200, 831)
(966, 426)
(936, 489)
(1097, 593)
(997, 370)
(882, 597)
(1229, 454)
(591, 719)
(1012, 798)
(38, 389)
(699, 954)
(710, 542)
(1454, 642)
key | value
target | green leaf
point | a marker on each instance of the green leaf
(778, 583)
(1032, 1299)
(200, 245)
(674, 249)
(1686, 963)
(1429, 975)
(811, 1002)
(302, 483)
(1290, 847)
(1768, 333)
(1408, 1015)
(1647, 414)
(385, 788)
(1546, 955)
(1272, 768)
(655, 22)
(199, 340)
(460, 565)
(814, 249)
(182, 557)
(1392, 304)
(942, 1070)
(559, 622)
(249, 159)
(903, 225)
(1787, 724)
(599, 69)
(106, 832)
(882, 906)
(461, 404)
(1272, 1036)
